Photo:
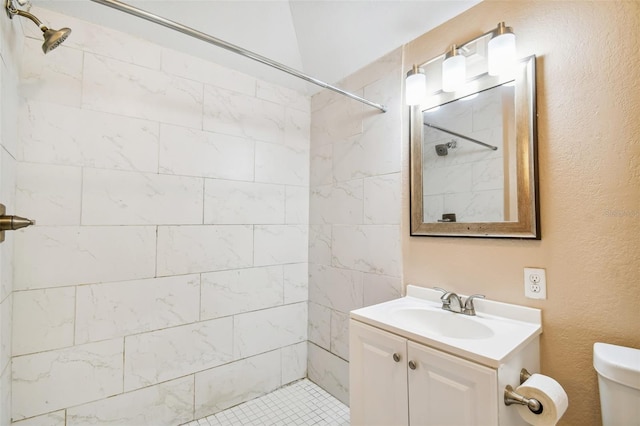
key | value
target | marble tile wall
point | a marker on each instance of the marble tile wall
(354, 231)
(167, 276)
(11, 44)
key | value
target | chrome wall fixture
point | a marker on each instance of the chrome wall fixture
(123, 7)
(11, 223)
(501, 59)
(52, 38)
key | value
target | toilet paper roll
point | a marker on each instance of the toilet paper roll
(551, 395)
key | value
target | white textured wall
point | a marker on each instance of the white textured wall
(166, 278)
(354, 252)
(589, 167)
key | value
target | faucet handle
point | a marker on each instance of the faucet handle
(444, 298)
(469, 309)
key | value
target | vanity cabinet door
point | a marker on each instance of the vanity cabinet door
(377, 377)
(446, 390)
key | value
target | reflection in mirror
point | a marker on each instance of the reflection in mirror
(473, 159)
(468, 146)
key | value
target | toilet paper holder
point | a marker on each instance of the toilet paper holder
(513, 397)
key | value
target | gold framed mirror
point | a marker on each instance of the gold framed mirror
(473, 159)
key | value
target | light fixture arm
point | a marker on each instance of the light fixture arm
(500, 29)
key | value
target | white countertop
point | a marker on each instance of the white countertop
(512, 326)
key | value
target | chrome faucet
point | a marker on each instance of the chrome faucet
(458, 307)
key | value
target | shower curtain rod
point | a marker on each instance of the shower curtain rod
(231, 47)
(492, 147)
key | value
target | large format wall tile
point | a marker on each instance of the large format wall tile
(109, 310)
(296, 282)
(56, 418)
(329, 371)
(6, 332)
(62, 378)
(169, 403)
(52, 78)
(281, 164)
(381, 199)
(294, 362)
(189, 249)
(319, 325)
(230, 202)
(297, 205)
(56, 134)
(284, 96)
(228, 385)
(320, 244)
(174, 352)
(193, 68)
(261, 331)
(277, 244)
(127, 198)
(340, 334)
(61, 256)
(51, 195)
(337, 288)
(193, 152)
(232, 292)
(122, 88)
(236, 114)
(43, 319)
(368, 248)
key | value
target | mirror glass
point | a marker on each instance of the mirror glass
(473, 159)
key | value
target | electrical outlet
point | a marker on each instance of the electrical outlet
(535, 283)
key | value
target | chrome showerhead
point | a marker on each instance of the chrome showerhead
(52, 38)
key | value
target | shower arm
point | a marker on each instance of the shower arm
(231, 47)
(492, 147)
(12, 10)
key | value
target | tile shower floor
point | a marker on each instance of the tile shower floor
(298, 404)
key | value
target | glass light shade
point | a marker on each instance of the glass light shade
(502, 54)
(415, 87)
(454, 73)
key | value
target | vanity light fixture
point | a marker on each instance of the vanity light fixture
(501, 50)
(501, 59)
(415, 86)
(454, 72)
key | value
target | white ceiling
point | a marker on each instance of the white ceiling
(326, 39)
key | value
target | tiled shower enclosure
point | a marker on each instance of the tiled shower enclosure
(201, 234)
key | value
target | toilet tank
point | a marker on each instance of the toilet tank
(618, 370)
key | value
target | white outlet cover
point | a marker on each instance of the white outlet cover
(535, 283)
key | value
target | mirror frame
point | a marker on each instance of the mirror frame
(528, 224)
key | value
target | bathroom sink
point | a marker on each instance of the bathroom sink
(443, 323)
(492, 336)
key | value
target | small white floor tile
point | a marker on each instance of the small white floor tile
(299, 404)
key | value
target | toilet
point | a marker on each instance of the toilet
(618, 370)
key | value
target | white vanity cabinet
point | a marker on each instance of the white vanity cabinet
(394, 381)
(414, 363)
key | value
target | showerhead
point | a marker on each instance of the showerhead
(52, 38)
(443, 148)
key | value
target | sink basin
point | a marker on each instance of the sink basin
(488, 338)
(441, 323)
